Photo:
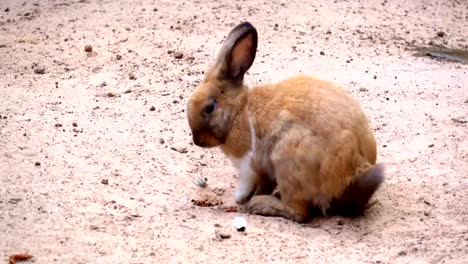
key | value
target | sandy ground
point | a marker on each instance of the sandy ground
(92, 178)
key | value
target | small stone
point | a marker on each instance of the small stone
(328, 32)
(118, 57)
(178, 55)
(105, 181)
(152, 108)
(362, 89)
(94, 227)
(340, 222)
(179, 149)
(322, 53)
(91, 54)
(441, 34)
(131, 76)
(220, 235)
(58, 125)
(103, 84)
(74, 124)
(39, 69)
(460, 121)
(37, 164)
(15, 200)
(111, 94)
(7, 9)
(431, 145)
(217, 225)
(88, 48)
(402, 253)
(375, 77)
(161, 141)
(155, 9)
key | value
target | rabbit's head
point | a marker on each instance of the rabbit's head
(215, 103)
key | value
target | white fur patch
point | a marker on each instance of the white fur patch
(247, 177)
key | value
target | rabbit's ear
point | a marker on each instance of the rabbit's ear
(238, 53)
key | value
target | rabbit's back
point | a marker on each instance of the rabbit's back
(303, 109)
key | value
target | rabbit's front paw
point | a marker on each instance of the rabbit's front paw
(243, 194)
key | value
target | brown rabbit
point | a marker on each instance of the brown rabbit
(305, 136)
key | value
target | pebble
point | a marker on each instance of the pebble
(75, 124)
(362, 89)
(88, 48)
(431, 145)
(222, 235)
(441, 34)
(152, 108)
(7, 9)
(37, 163)
(178, 55)
(460, 121)
(15, 200)
(111, 94)
(161, 141)
(58, 125)
(131, 76)
(118, 57)
(105, 181)
(179, 149)
(322, 53)
(39, 69)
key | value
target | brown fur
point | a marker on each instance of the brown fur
(312, 139)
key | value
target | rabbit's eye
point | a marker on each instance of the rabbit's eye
(209, 108)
